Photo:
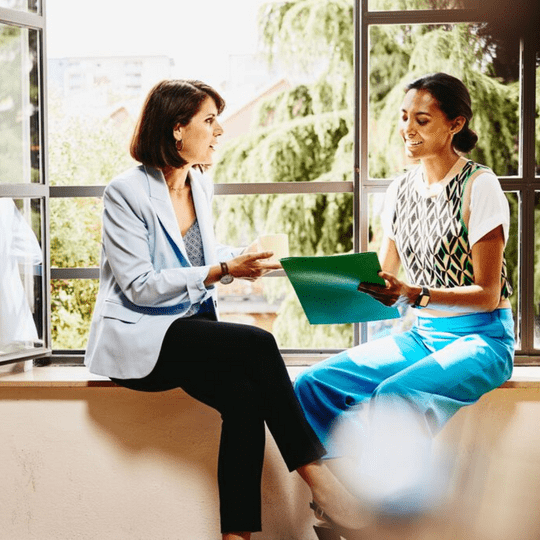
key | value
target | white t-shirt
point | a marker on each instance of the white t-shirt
(488, 206)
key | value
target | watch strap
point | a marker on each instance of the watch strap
(423, 298)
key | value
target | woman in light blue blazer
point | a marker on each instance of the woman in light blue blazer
(155, 326)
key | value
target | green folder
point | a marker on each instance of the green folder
(327, 288)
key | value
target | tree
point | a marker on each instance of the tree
(306, 133)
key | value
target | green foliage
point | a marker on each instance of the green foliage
(84, 151)
(301, 32)
(495, 105)
(298, 150)
(72, 302)
(81, 152)
(75, 232)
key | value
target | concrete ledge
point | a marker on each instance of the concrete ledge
(70, 376)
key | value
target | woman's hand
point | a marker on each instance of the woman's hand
(251, 266)
(395, 293)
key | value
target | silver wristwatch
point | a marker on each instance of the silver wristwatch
(226, 277)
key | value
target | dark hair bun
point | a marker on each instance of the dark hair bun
(465, 140)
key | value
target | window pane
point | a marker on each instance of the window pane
(272, 304)
(537, 271)
(403, 5)
(20, 145)
(316, 225)
(75, 232)
(21, 281)
(401, 53)
(32, 6)
(72, 303)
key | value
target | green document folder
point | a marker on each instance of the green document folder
(327, 288)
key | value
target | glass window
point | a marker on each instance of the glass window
(289, 124)
(76, 142)
(316, 224)
(75, 225)
(21, 276)
(72, 303)
(400, 53)
(20, 145)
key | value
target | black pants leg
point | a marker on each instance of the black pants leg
(238, 370)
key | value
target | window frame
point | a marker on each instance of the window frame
(525, 183)
(35, 21)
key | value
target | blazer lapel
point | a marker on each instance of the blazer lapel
(204, 216)
(159, 197)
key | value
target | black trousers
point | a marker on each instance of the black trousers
(236, 369)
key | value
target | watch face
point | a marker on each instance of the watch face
(424, 301)
(226, 279)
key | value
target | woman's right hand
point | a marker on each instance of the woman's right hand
(251, 266)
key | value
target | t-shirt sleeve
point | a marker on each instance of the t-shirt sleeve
(389, 208)
(489, 208)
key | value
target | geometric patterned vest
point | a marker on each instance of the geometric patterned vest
(431, 237)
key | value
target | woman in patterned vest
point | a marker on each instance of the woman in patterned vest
(446, 223)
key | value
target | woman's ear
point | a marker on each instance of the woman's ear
(457, 124)
(178, 132)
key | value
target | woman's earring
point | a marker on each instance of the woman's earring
(180, 145)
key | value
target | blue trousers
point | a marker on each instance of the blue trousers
(434, 369)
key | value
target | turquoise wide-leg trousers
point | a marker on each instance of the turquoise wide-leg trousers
(434, 369)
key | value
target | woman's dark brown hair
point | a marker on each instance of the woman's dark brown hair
(169, 103)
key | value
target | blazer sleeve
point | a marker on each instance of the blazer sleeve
(141, 257)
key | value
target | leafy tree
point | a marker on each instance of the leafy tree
(306, 133)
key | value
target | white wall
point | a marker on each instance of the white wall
(111, 464)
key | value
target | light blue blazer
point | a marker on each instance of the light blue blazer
(146, 279)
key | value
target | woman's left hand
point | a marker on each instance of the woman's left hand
(395, 293)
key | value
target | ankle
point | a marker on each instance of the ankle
(312, 473)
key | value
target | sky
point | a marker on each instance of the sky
(198, 34)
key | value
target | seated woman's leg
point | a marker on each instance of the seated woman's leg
(407, 409)
(339, 384)
(461, 368)
(236, 369)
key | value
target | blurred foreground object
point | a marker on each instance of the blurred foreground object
(478, 479)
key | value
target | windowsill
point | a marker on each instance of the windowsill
(79, 376)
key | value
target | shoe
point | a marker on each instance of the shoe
(329, 529)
